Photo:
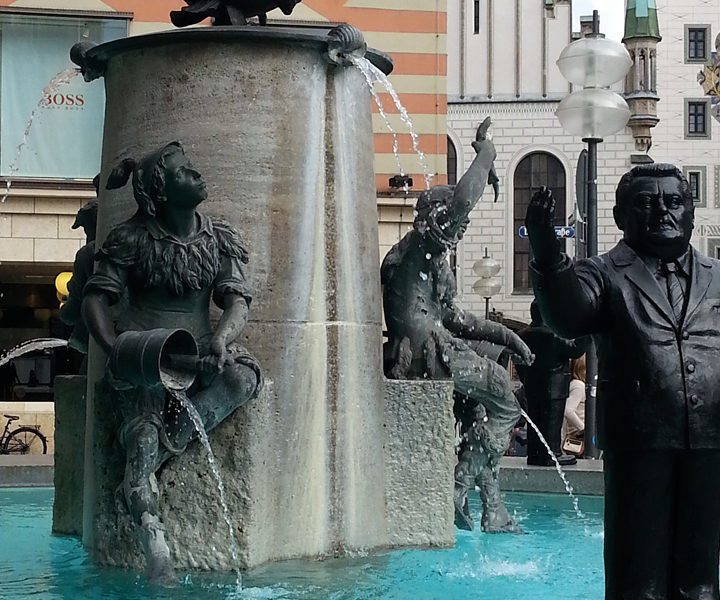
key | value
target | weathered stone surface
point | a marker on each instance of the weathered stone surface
(419, 459)
(31, 470)
(284, 142)
(70, 393)
(190, 504)
(419, 462)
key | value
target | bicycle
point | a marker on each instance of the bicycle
(23, 440)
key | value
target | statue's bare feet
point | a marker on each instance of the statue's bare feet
(157, 554)
(160, 570)
(463, 520)
(498, 520)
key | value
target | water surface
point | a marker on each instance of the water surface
(559, 558)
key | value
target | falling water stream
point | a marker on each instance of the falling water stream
(62, 78)
(568, 487)
(372, 74)
(31, 346)
(364, 66)
(198, 423)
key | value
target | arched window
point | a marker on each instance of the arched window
(451, 162)
(452, 180)
(642, 71)
(534, 171)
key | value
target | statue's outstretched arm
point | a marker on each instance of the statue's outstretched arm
(574, 348)
(471, 185)
(468, 326)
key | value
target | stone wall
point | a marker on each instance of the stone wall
(35, 226)
(419, 463)
(418, 447)
(70, 393)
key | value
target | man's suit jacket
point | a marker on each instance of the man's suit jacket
(658, 381)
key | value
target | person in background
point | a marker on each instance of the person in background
(546, 382)
(33, 379)
(574, 423)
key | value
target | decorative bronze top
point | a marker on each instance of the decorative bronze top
(228, 12)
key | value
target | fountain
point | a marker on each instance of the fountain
(330, 459)
(278, 121)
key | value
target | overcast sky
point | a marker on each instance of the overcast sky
(612, 16)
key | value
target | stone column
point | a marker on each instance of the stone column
(284, 140)
(69, 398)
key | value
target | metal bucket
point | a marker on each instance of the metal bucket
(164, 357)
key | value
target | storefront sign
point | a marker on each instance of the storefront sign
(51, 120)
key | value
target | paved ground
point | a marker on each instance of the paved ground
(26, 471)
(585, 477)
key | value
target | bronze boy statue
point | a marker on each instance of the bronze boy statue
(171, 260)
(430, 337)
(652, 303)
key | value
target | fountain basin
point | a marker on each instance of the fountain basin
(560, 558)
(310, 37)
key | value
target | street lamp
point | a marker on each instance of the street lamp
(488, 285)
(592, 113)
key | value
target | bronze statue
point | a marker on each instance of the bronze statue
(228, 12)
(70, 313)
(171, 260)
(652, 304)
(429, 336)
(547, 385)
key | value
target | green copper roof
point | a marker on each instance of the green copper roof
(641, 19)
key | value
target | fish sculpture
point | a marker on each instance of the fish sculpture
(228, 12)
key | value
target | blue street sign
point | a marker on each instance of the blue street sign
(562, 232)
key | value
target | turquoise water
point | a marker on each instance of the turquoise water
(560, 557)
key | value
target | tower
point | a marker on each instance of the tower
(642, 35)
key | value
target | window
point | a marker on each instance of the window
(452, 180)
(476, 16)
(696, 118)
(696, 177)
(694, 180)
(50, 131)
(697, 124)
(713, 247)
(642, 70)
(451, 162)
(696, 47)
(535, 170)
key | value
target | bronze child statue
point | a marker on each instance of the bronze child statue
(70, 313)
(431, 337)
(171, 260)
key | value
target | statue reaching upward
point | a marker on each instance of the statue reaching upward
(429, 336)
(228, 12)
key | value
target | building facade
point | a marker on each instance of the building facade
(501, 63)
(688, 130)
(512, 77)
(52, 134)
(52, 127)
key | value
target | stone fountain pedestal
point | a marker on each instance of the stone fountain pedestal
(418, 479)
(283, 137)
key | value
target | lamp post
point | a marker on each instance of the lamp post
(488, 285)
(594, 63)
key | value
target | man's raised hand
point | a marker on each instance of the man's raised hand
(539, 221)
